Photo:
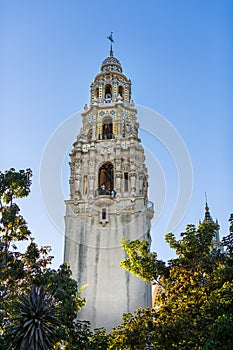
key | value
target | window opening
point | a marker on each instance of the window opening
(107, 129)
(89, 135)
(104, 214)
(121, 91)
(108, 91)
(97, 92)
(106, 179)
(126, 182)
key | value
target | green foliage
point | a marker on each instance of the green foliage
(36, 322)
(99, 340)
(13, 185)
(141, 262)
(135, 331)
(22, 270)
(85, 339)
(193, 298)
(81, 334)
(65, 291)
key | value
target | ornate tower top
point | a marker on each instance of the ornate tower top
(208, 219)
(110, 85)
(111, 64)
(112, 113)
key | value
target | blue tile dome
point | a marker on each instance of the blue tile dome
(111, 64)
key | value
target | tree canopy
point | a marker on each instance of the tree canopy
(23, 271)
(193, 297)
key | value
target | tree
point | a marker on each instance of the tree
(193, 303)
(13, 185)
(83, 338)
(135, 331)
(99, 339)
(22, 270)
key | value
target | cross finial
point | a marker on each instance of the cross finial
(110, 38)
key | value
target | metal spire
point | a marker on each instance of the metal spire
(110, 38)
(206, 203)
(207, 213)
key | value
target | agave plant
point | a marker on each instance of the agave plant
(35, 321)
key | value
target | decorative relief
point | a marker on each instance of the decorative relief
(132, 174)
(85, 147)
(119, 209)
(126, 154)
(92, 164)
(119, 175)
(75, 207)
(131, 207)
(118, 163)
(72, 164)
(78, 163)
(125, 144)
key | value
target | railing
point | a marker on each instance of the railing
(108, 136)
(106, 100)
(103, 192)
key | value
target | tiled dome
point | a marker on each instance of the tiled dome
(111, 64)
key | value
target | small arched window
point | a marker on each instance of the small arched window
(106, 179)
(121, 91)
(107, 128)
(89, 135)
(108, 91)
(97, 92)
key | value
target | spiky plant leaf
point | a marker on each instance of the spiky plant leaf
(36, 321)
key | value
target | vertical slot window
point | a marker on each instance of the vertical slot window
(85, 184)
(126, 182)
(104, 214)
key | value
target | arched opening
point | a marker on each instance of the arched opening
(107, 128)
(108, 92)
(89, 135)
(106, 179)
(97, 92)
(121, 91)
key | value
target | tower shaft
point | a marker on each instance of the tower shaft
(108, 200)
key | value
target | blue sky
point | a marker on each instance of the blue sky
(178, 55)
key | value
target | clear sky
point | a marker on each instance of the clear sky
(178, 55)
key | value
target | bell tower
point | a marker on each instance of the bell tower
(108, 199)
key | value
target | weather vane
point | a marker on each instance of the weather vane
(110, 38)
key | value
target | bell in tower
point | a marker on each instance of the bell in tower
(108, 200)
